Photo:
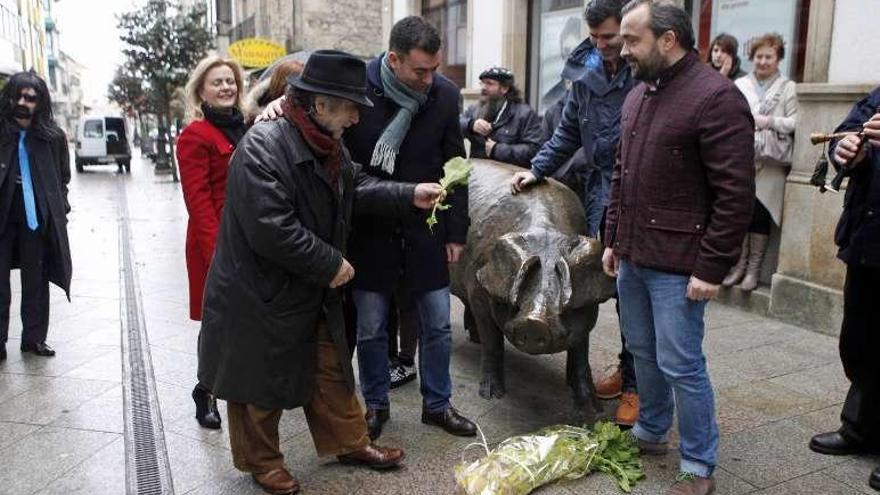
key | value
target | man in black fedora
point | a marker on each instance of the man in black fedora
(272, 334)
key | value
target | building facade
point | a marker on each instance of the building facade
(827, 54)
(354, 26)
(22, 36)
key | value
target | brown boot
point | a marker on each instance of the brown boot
(628, 410)
(757, 249)
(277, 481)
(735, 275)
(689, 484)
(373, 457)
(610, 387)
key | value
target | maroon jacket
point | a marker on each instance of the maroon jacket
(683, 186)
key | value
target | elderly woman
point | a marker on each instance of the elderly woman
(213, 96)
(774, 105)
(723, 57)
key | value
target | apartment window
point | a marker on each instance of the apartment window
(450, 18)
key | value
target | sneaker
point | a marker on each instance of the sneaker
(401, 375)
(628, 410)
(691, 484)
(650, 448)
(611, 386)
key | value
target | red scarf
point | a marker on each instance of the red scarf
(325, 148)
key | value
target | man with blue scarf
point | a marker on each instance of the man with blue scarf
(408, 135)
(591, 121)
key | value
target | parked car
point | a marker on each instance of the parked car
(101, 140)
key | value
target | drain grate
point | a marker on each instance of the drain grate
(147, 471)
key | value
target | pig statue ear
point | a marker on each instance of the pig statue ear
(583, 281)
(507, 268)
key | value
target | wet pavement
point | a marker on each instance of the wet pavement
(62, 426)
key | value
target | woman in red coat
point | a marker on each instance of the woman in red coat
(204, 148)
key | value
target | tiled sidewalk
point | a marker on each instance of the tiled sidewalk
(61, 419)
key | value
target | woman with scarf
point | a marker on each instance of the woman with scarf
(213, 96)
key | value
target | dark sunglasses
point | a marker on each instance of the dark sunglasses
(29, 97)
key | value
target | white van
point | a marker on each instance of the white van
(101, 139)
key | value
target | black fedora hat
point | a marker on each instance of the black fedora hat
(334, 73)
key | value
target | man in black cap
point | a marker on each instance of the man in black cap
(501, 126)
(272, 335)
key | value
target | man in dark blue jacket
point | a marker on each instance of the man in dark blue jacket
(410, 133)
(858, 237)
(591, 121)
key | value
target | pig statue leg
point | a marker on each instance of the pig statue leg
(578, 375)
(492, 352)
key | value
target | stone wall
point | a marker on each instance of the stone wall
(354, 26)
(807, 287)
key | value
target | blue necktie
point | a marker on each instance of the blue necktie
(27, 187)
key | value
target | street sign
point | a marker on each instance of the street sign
(255, 53)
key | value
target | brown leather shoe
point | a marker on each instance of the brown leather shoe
(611, 386)
(277, 481)
(373, 457)
(628, 410)
(689, 484)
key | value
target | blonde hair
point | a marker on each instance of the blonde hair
(197, 80)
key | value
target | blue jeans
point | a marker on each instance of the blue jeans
(664, 332)
(435, 346)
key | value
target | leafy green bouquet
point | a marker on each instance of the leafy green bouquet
(521, 464)
(455, 173)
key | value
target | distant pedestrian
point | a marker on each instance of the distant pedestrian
(213, 96)
(502, 126)
(680, 204)
(34, 172)
(724, 57)
(773, 100)
(858, 239)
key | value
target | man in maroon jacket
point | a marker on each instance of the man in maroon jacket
(680, 205)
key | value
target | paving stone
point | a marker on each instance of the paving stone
(102, 413)
(45, 403)
(45, 455)
(100, 474)
(194, 463)
(11, 433)
(854, 472)
(771, 401)
(771, 454)
(70, 355)
(13, 384)
(812, 484)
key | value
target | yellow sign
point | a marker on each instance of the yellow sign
(255, 53)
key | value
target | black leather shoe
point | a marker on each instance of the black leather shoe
(375, 419)
(875, 479)
(2, 352)
(40, 349)
(206, 408)
(833, 443)
(451, 421)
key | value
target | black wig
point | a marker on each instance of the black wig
(42, 123)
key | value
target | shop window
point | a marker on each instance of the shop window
(450, 18)
(748, 19)
(556, 29)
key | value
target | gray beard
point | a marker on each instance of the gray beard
(489, 109)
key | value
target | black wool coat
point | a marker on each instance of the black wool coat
(49, 161)
(858, 231)
(281, 241)
(383, 249)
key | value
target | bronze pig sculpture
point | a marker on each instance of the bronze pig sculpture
(529, 273)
